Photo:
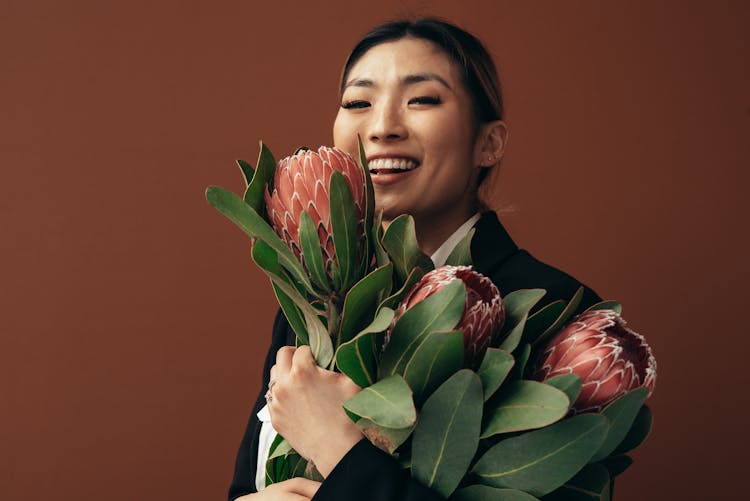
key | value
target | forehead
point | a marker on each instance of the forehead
(396, 59)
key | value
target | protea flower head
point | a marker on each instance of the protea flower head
(301, 183)
(483, 316)
(610, 358)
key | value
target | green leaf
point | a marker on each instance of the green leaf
(607, 305)
(542, 319)
(564, 316)
(293, 315)
(357, 358)
(248, 220)
(263, 174)
(344, 226)
(621, 414)
(247, 171)
(279, 447)
(387, 403)
(496, 366)
(461, 253)
(335, 273)
(400, 241)
(394, 299)
(437, 356)
(522, 358)
(542, 460)
(312, 252)
(300, 149)
(441, 311)
(370, 192)
(274, 471)
(311, 472)
(380, 323)
(381, 256)
(517, 306)
(591, 483)
(267, 259)
(361, 301)
(318, 337)
(487, 493)
(386, 439)
(570, 384)
(295, 465)
(524, 405)
(638, 432)
(447, 433)
(276, 465)
(617, 464)
(369, 207)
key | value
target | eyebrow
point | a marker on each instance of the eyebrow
(405, 80)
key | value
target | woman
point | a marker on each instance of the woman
(425, 99)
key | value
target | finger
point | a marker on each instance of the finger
(303, 486)
(296, 497)
(284, 360)
(303, 358)
(273, 375)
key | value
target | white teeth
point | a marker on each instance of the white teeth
(380, 164)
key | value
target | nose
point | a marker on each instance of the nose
(387, 124)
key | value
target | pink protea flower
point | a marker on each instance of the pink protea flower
(301, 183)
(610, 358)
(483, 316)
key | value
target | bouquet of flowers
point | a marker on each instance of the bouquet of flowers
(475, 395)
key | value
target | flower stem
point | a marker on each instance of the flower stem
(334, 321)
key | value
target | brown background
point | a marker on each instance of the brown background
(133, 323)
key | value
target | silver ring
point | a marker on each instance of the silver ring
(269, 397)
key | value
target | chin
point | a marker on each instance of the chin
(389, 214)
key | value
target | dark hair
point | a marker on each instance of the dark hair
(474, 62)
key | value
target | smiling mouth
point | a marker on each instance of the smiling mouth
(391, 165)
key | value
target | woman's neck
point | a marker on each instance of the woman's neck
(433, 231)
(433, 236)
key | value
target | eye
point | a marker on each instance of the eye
(425, 100)
(356, 104)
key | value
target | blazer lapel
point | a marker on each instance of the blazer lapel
(491, 244)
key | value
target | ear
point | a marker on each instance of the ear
(490, 144)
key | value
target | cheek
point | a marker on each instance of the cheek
(462, 145)
(446, 131)
(345, 134)
(447, 143)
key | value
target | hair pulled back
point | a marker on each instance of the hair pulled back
(476, 67)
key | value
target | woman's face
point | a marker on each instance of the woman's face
(407, 102)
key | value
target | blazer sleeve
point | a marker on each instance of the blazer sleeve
(243, 481)
(374, 476)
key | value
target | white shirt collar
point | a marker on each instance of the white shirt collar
(442, 252)
(265, 440)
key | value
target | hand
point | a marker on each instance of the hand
(294, 489)
(305, 408)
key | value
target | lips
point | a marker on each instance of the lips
(391, 165)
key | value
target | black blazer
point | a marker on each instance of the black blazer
(365, 471)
